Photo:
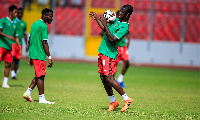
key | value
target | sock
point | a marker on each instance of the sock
(120, 78)
(5, 80)
(41, 97)
(28, 91)
(13, 74)
(125, 97)
(112, 98)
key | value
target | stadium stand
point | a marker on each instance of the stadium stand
(167, 19)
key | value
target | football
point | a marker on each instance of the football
(109, 15)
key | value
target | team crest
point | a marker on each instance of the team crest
(22, 24)
(14, 26)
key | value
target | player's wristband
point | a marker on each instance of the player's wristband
(49, 57)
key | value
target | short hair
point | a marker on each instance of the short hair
(129, 8)
(12, 7)
(46, 11)
(21, 8)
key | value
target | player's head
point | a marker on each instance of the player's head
(47, 15)
(125, 12)
(20, 13)
(13, 11)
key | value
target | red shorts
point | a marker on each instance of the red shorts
(5, 55)
(15, 51)
(122, 54)
(40, 67)
(107, 65)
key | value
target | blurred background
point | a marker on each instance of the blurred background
(163, 32)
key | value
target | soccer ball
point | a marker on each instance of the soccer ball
(109, 15)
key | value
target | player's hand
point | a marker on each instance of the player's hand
(93, 15)
(11, 38)
(30, 62)
(20, 52)
(103, 21)
(50, 63)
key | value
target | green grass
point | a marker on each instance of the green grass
(78, 93)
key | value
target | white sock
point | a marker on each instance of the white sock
(5, 80)
(28, 91)
(41, 97)
(125, 97)
(112, 98)
(120, 78)
(13, 74)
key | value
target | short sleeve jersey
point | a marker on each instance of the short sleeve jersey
(9, 28)
(118, 29)
(38, 33)
(21, 28)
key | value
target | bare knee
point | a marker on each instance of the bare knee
(7, 65)
(127, 64)
(102, 77)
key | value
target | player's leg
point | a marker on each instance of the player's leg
(125, 58)
(17, 60)
(13, 73)
(107, 85)
(124, 69)
(110, 79)
(27, 94)
(17, 66)
(6, 74)
(7, 57)
(40, 85)
(113, 103)
(14, 52)
(127, 101)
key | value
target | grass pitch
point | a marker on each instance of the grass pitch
(78, 93)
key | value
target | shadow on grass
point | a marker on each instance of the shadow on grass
(48, 100)
(16, 85)
(116, 109)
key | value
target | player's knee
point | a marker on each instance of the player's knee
(41, 77)
(16, 61)
(127, 64)
(109, 78)
(7, 65)
(102, 77)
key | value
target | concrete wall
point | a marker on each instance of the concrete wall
(140, 51)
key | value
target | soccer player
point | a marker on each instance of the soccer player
(21, 27)
(114, 34)
(38, 50)
(8, 33)
(124, 56)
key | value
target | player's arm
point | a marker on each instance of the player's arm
(25, 37)
(28, 44)
(18, 44)
(2, 23)
(46, 50)
(26, 41)
(129, 38)
(102, 33)
(5, 35)
(94, 16)
(111, 38)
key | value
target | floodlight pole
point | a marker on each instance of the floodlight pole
(183, 27)
(150, 26)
